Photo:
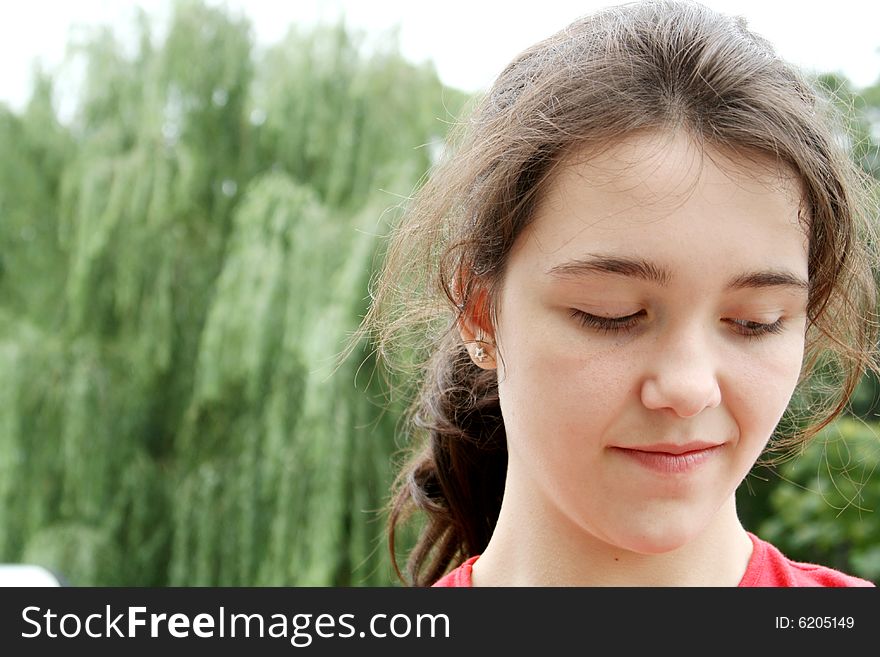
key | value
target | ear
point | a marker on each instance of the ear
(476, 331)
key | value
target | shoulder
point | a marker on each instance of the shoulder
(769, 567)
(460, 577)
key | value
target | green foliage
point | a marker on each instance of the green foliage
(859, 111)
(341, 122)
(36, 149)
(180, 266)
(826, 508)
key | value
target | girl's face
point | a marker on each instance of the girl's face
(650, 333)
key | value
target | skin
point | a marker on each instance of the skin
(693, 363)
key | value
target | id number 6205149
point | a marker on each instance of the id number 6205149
(815, 622)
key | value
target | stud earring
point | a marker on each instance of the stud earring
(479, 354)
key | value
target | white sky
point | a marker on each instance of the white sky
(469, 41)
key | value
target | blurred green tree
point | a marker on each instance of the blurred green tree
(179, 267)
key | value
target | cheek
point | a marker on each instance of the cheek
(547, 388)
(762, 388)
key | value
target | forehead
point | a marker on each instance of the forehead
(663, 195)
(660, 167)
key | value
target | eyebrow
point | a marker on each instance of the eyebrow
(654, 273)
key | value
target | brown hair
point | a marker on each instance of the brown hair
(640, 66)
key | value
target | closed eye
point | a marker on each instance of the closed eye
(756, 329)
(745, 328)
(607, 324)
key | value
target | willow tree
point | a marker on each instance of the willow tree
(205, 228)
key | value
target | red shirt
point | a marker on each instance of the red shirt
(767, 567)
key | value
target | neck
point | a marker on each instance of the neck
(535, 544)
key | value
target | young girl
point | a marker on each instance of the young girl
(645, 242)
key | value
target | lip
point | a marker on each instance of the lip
(668, 458)
(673, 448)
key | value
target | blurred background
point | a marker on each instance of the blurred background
(193, 197)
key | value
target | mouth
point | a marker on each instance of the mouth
(673, 448)
(671, 459)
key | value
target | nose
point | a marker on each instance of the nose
(681, 375)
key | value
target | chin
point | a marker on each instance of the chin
(654, 540)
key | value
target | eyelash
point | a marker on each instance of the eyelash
(625, 324)
(607, 324)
